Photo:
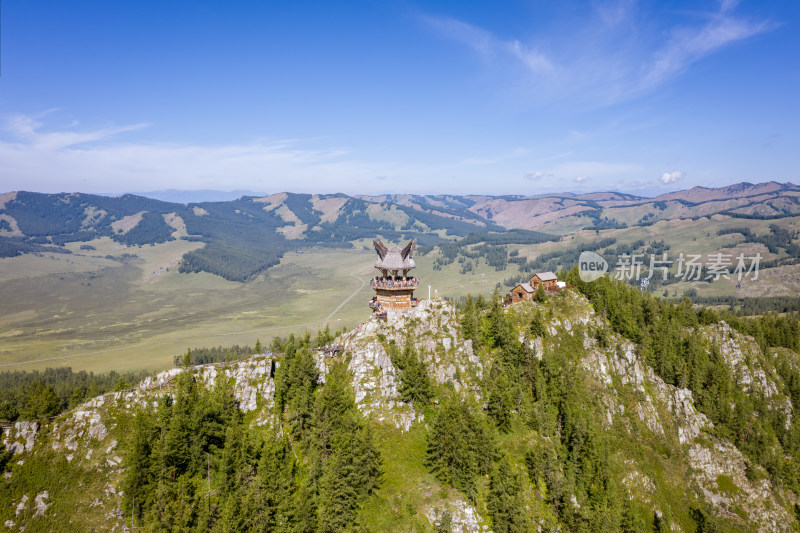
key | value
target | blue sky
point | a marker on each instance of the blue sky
(395, 96)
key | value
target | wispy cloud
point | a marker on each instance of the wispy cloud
(480, 40)
(688, 44)
(28, 129)
(613, 53)
(583, 171)
(38, 158)
(488, 46)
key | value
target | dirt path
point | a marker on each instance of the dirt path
(348, 298)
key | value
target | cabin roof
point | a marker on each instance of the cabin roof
(526, 287)
(546, 276)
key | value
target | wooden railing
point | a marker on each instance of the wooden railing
(412, 283)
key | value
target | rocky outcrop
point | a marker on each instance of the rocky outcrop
(636, 403)
(719, 468)
(20, 437)
(462, 516)
(252, 383)
(751, 368)
(716, 465)
(375, 379)
(40, 503)
(433, 327)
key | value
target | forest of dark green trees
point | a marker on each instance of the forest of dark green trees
(40, 394)
(310, 474)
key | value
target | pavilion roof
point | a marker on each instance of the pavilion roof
(394, 258)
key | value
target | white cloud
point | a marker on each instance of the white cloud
(581, 171)
(671, 177)
(37, 156)
(28, 129)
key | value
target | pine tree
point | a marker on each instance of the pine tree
(276, 485)
(415, 383)
(459, 447)
(538, 327)
(5, 456)
(539, 295)
(300, 382)
(500, 403)
(334, 400)
(137, 481)
(42, 400)
(469, 321)
(258, 348)
(505, 501)
(351, 473)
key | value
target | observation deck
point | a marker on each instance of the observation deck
(391, 284)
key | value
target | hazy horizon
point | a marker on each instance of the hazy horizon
(206, 195)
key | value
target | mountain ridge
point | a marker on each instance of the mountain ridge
(243, 237)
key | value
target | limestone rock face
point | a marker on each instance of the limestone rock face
(253, 386)
(433, 326)
(715, 465)
(40, 502)
(751, 368)
(633, 400)
(20, 437)
(669, 411)
(375, 381)
(463, 517)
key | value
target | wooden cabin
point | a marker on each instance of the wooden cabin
(522, 292)
(547, 280)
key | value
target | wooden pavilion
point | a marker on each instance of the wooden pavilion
(394, 288)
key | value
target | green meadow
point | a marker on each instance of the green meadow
(93, 313)
(127, 308)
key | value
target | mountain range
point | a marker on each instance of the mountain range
(245, 236)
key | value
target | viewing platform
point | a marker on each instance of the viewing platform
(394, 284)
